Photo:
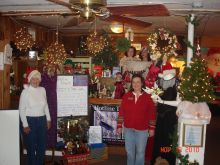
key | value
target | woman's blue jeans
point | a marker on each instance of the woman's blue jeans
(135, 144)
(36, 140)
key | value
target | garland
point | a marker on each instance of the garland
(162, 43)
(195, 21)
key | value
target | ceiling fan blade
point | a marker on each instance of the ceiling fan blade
(60, 2)
(74, 21)
(140, 10)
(128, 21)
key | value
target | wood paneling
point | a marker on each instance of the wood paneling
(5, 74)
(210, 41)
(8, 28)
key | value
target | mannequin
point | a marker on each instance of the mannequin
(166, 116)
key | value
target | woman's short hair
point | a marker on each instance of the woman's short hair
(142, 81)
(134, 49)
(148, 55)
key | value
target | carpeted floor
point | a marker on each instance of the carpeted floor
(212, 151)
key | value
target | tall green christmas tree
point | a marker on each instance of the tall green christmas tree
(108, 56)
(195, 85)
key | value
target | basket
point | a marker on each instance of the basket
(77, 159)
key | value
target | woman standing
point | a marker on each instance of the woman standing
(137, 112)
(35, 118)
(144, 56)
(130, 55)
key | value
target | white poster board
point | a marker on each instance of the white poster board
(9, 143)
(95, 134)
(72, 95)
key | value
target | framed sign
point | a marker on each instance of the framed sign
(136, 45)
(193, 135)
(106, 116)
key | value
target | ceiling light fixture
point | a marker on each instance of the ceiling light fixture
(117, 28)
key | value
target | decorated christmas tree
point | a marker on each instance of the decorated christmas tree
(107, 57)
(195, 85)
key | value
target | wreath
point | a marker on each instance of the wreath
(162, 43)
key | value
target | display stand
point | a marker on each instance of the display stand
(192, 137)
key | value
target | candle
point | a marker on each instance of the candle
(68, 126)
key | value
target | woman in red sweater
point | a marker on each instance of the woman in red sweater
(137, 113)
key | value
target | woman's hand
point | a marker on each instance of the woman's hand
(26, 130)
(119, 131)
(151, 133)
(48, 124)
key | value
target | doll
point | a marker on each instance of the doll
(119, 87)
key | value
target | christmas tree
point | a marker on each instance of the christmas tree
(195, 85)
(107, 57)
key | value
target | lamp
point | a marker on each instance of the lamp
(116, 28)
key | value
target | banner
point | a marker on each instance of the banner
(106, 116)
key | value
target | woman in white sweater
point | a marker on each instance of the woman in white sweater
(35, 118)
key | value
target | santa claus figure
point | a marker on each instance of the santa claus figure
(213, 60)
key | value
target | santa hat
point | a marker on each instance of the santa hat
(213, 51)
(167, 74)
(34, 73)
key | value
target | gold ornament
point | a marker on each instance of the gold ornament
(23, 39)
(55, 54)
(96, 43)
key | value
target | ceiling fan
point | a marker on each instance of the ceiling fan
(88, 9)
